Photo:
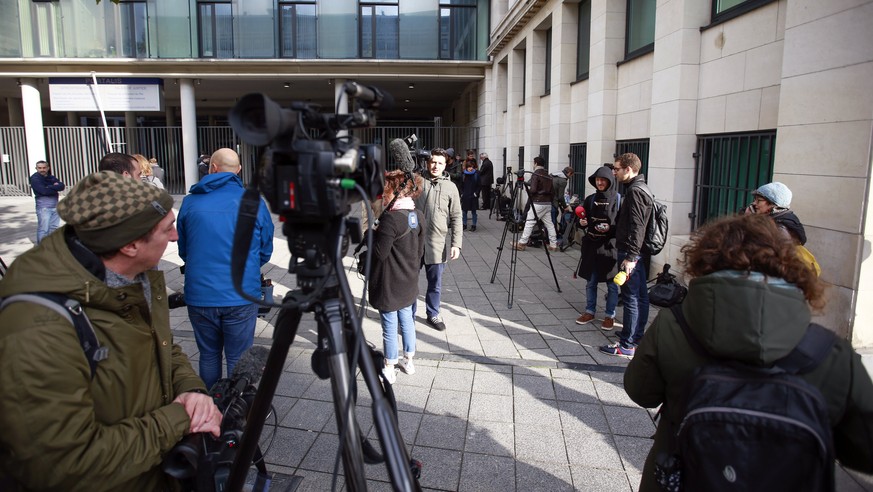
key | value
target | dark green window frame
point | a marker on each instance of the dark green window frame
(548, 75)
(578, 161)
(292, 42)
(583, 40)
(728, 168)
(723, 10)
(215, 29)
(544, 153)
(640, 28)
(640, 147)
(371, 42)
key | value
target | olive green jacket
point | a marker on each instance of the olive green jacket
(61, 429)
(755, 321)
(441, 205)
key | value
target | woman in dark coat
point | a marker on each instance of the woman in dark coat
(598, 246)
(470, 191)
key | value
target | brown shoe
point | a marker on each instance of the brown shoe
(607, 324)
(584, 319)
(553, 247)
(518, 246)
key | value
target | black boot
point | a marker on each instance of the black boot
(473, 229)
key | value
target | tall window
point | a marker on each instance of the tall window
(548, 68)
(729, 168)
(380, 30)
(583, 40)
(640, 27)
(521, 158)
(578, 159)
(216, 29)
(641, 149)
(728, 9)
(544, 153)
(297, 30)
(133, 37)
(458, 29)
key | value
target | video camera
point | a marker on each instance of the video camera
(309, 171)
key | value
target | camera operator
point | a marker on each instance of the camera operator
(542, 193)
(66, 427)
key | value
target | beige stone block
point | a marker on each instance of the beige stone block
(844, 214)
(678, 82)
(679, 48)
(668, 19)
(763, 66)
(635, 71)
(836, 253)
(674, 117)
(840, 94)
(824, 149)
(640, 123)
(628, 99)
(804, 11)
(751, 30)
(742, 111)
(841, 39)
(624, 126)
(722, 76)
(836, 315)
(769, 117)
(711, 44)
(672, 151)
(711, 115)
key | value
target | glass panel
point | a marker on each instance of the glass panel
(207, 31)
(307, 46)
(445, 34)
(722, 5)
(85, 31)
(387, 32)
(216, 30)
(224, 30)
(287, 15)
(419, 34)
(172, 32)
(338, 29)
(10, 35)
(583, 42)
(458, 2)
(367, 32)
(134, 32)
(256, 29)
(548, 68)
(458, 33)
(640, 24)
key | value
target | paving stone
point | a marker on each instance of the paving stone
(586, 479)
(592, 449)
(445, 402)
(495, 438)
(534, 475)
(629, 421)
(529, 410)
(633, 451)
(481, 472)
(486, 407)
(535, 386)
(453, 379)
(443, 470)
(440, 431)
(583, 417)
(540, 442)
(492, 383)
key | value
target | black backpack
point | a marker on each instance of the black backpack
(657, 228)
(749, 428)
(668, 290)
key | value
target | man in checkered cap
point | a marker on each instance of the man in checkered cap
(64, 427)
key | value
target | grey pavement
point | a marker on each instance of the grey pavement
(505, 399)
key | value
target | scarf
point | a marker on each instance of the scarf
(405, 203)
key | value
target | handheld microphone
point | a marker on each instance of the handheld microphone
(580, 212)
(400, 152)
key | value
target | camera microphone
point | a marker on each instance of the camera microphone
(250, 367)
(374, 98)
(400, 153)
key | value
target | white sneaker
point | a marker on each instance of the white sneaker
(406, 365)
(389, 374)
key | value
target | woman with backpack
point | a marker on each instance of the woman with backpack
(598, 262)
(747, 313)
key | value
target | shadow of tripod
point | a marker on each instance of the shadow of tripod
(516, 228)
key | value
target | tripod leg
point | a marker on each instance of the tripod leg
(539, 223)
(287, 323)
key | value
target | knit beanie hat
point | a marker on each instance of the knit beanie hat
(776, 193)
(108, 210)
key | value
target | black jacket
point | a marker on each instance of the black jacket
(636, 208)
(598, 245)
(486, 173)
(541, 187)
(396, 260)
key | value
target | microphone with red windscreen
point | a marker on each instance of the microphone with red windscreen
(580, 212)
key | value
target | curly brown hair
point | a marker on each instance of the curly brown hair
(395, 179)
(751, 243)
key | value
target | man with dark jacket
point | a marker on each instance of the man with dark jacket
(541, 194)
(221, 318)
(64, 428)
(45, 190)
(637, 206)
(486, 180)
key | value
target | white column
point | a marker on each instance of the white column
(189, 131)
(33, 130)
(337, 93)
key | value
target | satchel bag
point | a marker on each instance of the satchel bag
(667, 290)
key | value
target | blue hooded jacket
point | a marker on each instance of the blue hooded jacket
(206, 224)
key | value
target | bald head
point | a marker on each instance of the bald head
(224, 161)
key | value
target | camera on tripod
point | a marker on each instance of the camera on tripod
(306, 179)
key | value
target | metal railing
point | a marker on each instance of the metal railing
(75, 152)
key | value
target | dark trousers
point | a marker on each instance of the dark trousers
(486, 197)
(635, 297)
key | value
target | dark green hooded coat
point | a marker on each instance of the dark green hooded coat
(61, 429)
(747, 319)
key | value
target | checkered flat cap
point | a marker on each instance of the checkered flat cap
(108, 210)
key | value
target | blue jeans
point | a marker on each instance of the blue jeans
(390, 320)
(230, 328)
(635, 297)
(47, 221)
(434, 274)
(465, 217)
(611, 295)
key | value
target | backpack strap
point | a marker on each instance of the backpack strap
(676, 309)
(72, 311)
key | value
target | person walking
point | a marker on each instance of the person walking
(398, 245)
(441, 205)
(45, 191)
(470, 192)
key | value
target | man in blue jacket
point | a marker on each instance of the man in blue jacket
(220, 317)
(45, 190)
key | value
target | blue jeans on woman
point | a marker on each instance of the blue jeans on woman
(464, 221)
(390, 321)
(611, 295)
(230, 328)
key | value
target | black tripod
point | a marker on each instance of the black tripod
(516, 228)
(500, 191)
(317, 252)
